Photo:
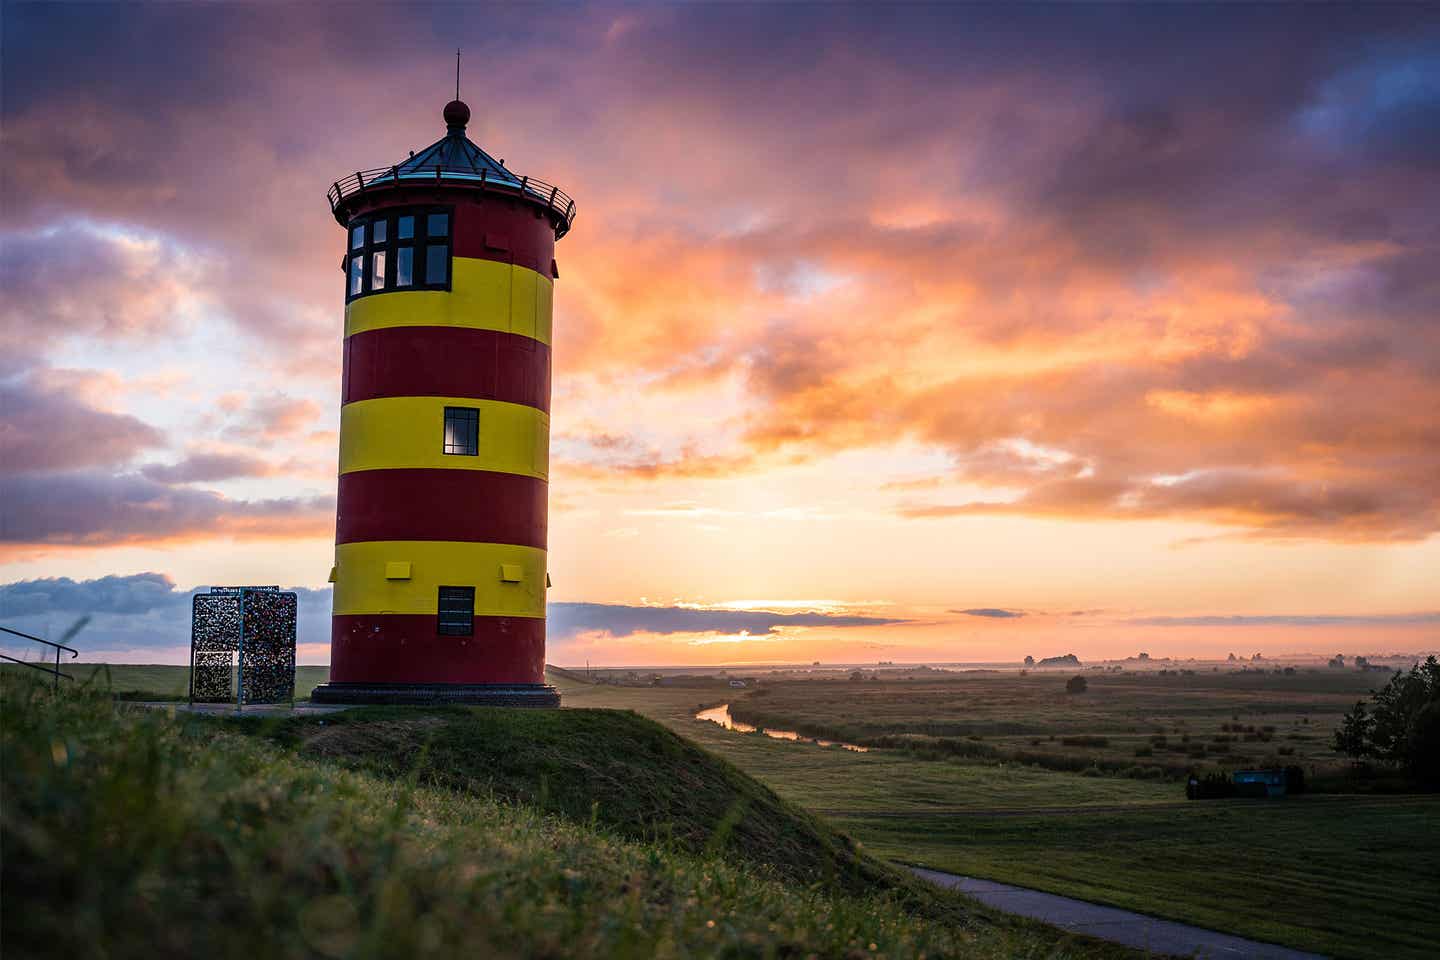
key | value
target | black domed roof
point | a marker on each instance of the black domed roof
(454, 160)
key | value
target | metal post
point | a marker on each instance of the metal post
(240, 677)
(57, 668)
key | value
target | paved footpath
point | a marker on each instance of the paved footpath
(1110, 923)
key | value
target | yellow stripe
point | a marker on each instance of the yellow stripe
(361, 586)
(390, 433)
(484, 295)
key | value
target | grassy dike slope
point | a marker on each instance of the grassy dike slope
(132, 833)
(611, 769)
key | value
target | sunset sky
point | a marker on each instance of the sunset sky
(920, 333)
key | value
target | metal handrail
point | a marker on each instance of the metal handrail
(547, 195)
(35, 666)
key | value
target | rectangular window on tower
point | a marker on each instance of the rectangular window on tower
(377, 270)
(462, 431)
(404, 266)
(456, 611)
(385, 248)
(437, 264)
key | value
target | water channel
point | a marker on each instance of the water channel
(721, 715)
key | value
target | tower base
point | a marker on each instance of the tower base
(479, 694)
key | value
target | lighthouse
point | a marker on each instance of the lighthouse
(440, 561)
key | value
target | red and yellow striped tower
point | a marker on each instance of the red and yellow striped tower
(444, 429)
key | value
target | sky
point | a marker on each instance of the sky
(923, 333)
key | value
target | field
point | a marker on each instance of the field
(1141, 724)
(133, 681)
(142, 832)
(1351, 876)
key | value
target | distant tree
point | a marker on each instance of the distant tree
(1425, 744)
(1029, 661)
(1338, 661)
(1232, 657)
(857, 677)
(1362, 663)
(1353, 735)
(1400, 726)
(1076, 684)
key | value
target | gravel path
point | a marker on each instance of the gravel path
(1110, 923)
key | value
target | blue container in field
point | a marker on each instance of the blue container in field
(1260, 783)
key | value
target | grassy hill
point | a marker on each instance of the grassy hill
(609, 769)
(134, 833)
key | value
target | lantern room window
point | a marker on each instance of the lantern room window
(398, 249)
(456, 611)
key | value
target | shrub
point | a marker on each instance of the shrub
(1294, 779)
(1400, 726)
(1212, 786)
(1144, 752)
(1076, 684)
(1085, 740)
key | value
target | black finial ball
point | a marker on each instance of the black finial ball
(457, 114)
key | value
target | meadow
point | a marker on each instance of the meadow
(155, 681)
(1345, 875)
(1349, 876)
(134, 831)
(1137, 723)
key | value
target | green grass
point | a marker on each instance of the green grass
(154, 681)
(131, 832)
(610, 768)
(1345, 876)
(1349, 876)
(1142, 724)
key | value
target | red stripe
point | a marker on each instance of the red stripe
(473, 506)
(446, 362)
(408, 648)
(488, 226)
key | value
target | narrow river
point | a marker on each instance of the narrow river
(721, 715)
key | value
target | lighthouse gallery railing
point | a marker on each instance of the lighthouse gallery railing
(549, 195)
